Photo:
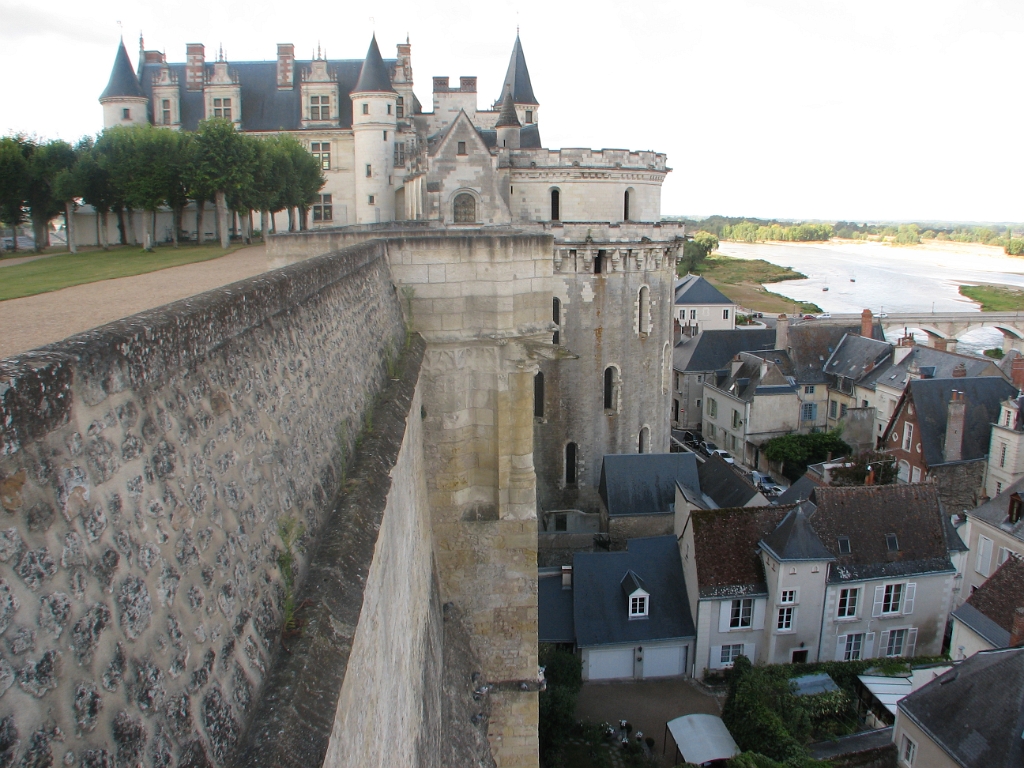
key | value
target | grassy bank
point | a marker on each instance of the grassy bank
(741, 279)
(995, 298)
(66, 269)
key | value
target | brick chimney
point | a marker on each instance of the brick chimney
(955, 416)
(1017, 372)
(903, 348)
(959, 371)
(782, 333)
(195, 66)
(866, 323)
(285, 65)
(1017, 632)
(941, 345)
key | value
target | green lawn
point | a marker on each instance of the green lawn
(994, 298)
(66, 269)
(726, 269)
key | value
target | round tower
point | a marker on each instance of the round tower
(124, 102)
(374, 121)
(508, 127)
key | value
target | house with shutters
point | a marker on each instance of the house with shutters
(699, 306)
(994, 531)
(848, 574)
(993, 615)
(1006, 448)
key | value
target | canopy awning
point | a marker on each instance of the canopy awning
(889, 690)
(702, 738)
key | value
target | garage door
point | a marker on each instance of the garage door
(610, 664)
(664, 661)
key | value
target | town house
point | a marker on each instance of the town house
(994, 531)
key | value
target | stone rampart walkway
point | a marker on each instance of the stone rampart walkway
(34, 321)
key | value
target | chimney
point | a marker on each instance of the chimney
(467, 84)
(955, 417)
(1017, 372)
(195, 66)
(866, 323)
(1017, 633)
(566, 577)
(782, 333)
(903, 348)
(285, 65)
(959, 370)
(940, 344)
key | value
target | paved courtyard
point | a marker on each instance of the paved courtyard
(646, 704)
(34, 321)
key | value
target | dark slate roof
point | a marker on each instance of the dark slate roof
(529, 137)
(554, 608)
(865, 514)
(975, 711)
(996, 636)
(123, 81)
(507, 116)
(711, 350)
(998, 599)
(813, 342)
(746, 382)
(374, 75)
(517, 78)
(694, 289)
(940, 362)
(264, 106)
(630, 583)
(600, 610)
(723, 484)
(857, 356)
(798, 491)
(931, 401)
(645, 484)
(725, 549)
(795, 539)
(996, 511)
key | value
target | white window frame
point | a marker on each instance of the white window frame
(727, 656)
(785, 619)
(808, 389)
(854, 650)
(915, 474)
(852, 597)
(983, 558)
(903, 606)
(737, 620)
(908, 435)
(908, 750)
(1003, 556)
(638, 605)
(788, 597)
(890, 651)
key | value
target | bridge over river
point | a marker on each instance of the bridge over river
(944, 329)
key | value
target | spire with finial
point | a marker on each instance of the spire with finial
(507, 117)
(220, 53)
(123, 81)
(517, 78)
(373, 77)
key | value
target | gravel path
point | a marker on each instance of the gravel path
(34, 321)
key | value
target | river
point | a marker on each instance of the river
(889, 278)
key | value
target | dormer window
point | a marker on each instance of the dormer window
(637, 606)
(400, 108)
(638, 599)
(222, 108)
(891, 542)
(529, 116)
(1016, 507)
(320, 108)
(844, 545)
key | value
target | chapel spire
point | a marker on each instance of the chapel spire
(123, 83)
(373, 77)
(517, 78)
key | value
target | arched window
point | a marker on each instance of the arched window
(904, 471)
(643, 443)
(643, 316)
(538, 395)
(570, 464)
(555, 211)
(464, 209)
(625, 206)
(611, 388)
(556, 318)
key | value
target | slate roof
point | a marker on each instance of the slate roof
(374, 75)
(996, 512)
(975, 711)
(812, 343)
(798, 491)
(857, 356)
(554, 608)
(517, 78)
(694, 289)
(600, 610)
(940, 362)
(865, 514)
(931, 402)
(507, 116)
(645, 484)
(123, 81)
(711, 350)
(747, 382)
(724, 485)
(529, 137)
(991, 607)
(725, 549)
(795, 539)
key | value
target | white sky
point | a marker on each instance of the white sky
(880, 109)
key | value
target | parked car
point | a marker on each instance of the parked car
(726, 456)
(691, 439)
(809, 317)
(824, 316)
(764, 483)
(707, 448)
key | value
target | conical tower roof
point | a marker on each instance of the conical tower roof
(373, 77)
(123, 81)
(508, 117)
(517, 78)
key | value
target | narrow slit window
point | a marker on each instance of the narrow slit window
(570, 464)
(555, 201)
(538, 395)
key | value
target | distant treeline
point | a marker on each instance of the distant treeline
(759, 230)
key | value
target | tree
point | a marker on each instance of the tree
(13, 176)
(797, 451)
(93, 185)
(695, 250)
(222, 163)
(45, 161)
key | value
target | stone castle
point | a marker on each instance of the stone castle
(406, 395)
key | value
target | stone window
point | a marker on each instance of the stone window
(712, 407)
(570, 464)
(385, 135)
(643, 321)
(461, 148)
(891, 598)
(538, 395)
(400, 107)
(599, 263)
(389, 109)
(785, 622)
(165, 106)
(366, 109)
(529, 116)
(675, 409)
(555, 212)
(322, 153)
(369, 170)
(126, 114)
(319, 107)
(556, 318)
(323, 209)
(611, 389)
(625, 206)
(643, 443)
(222, 108)
(399, 155)
(464, 209)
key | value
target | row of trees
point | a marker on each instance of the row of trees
(695, 250)
(751, 233)
(147, 168)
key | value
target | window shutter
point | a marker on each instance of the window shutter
(814, 411)
(911, 644)
(748, 651)
(908, 598)
(883, 643)
(867, 650)
(984, 561)
(840, 648)
(758, 618)
(876, 611)
(724, 613)
(715, 662)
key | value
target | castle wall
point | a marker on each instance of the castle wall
(474, 172)
(145, 468)
(585, 194)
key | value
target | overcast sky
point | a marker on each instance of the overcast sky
(851, 109)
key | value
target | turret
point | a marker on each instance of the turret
(508, 126)
(374, 122)
(124, 102)
(517, 81)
